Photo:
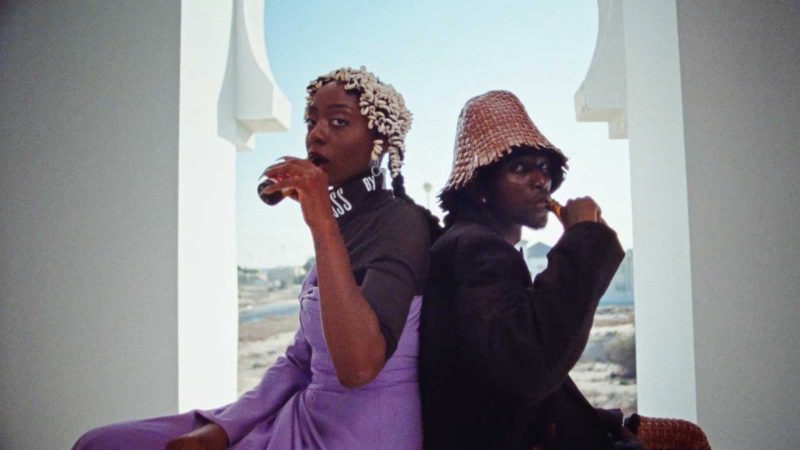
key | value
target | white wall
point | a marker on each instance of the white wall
(740, 70)
(88, 248)
(120, 125)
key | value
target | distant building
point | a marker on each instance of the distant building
(536, 257)
(619, 292)
(251, 276)
(283, 276)
(274, 278)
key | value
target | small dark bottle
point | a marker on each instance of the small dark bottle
(276, 197)
(270, 199)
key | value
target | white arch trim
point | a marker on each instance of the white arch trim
(260, 104)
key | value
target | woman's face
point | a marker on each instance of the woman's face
(338, 139)
(519, 189)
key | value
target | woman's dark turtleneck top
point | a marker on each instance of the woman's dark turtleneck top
(388, 242)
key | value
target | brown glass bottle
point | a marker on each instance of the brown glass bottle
(270, 199)
(276, 197)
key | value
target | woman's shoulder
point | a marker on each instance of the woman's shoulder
(399, 226)
(399, 214)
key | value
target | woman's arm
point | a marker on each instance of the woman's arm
(350, 326)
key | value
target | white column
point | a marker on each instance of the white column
(227, 94)
(634, 84)
(663, 278)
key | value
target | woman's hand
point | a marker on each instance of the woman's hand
(582, 209)
(308, 185)
(207, 437)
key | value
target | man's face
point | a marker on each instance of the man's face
(520, 188)
(338, 139)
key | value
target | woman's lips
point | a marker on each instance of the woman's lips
(317, 159)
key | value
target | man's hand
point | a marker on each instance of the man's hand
(207, 437)
(582, 209)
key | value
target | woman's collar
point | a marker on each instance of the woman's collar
(348, 199)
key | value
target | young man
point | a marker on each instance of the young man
(496, 348)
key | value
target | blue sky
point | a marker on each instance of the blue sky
(438, 55)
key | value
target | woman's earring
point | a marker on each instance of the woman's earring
(374, 168)
(484, 201)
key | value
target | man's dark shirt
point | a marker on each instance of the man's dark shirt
(496, 348)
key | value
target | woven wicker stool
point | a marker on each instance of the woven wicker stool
(667, 434)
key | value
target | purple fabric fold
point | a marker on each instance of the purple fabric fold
(299, 403)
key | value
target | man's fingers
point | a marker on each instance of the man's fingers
(582, 209)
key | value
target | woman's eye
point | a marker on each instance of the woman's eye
(310, 122)
(338, 123)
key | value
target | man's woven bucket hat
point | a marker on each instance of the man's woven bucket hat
(493, 125)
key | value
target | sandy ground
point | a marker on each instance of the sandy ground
(262, 342)
(597, 381)
(253, 295)
(597, 378)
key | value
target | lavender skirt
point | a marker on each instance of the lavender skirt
(300, 404)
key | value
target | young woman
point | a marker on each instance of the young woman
(349, 379)
(496, 347)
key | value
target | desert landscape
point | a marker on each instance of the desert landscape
(606, 372)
